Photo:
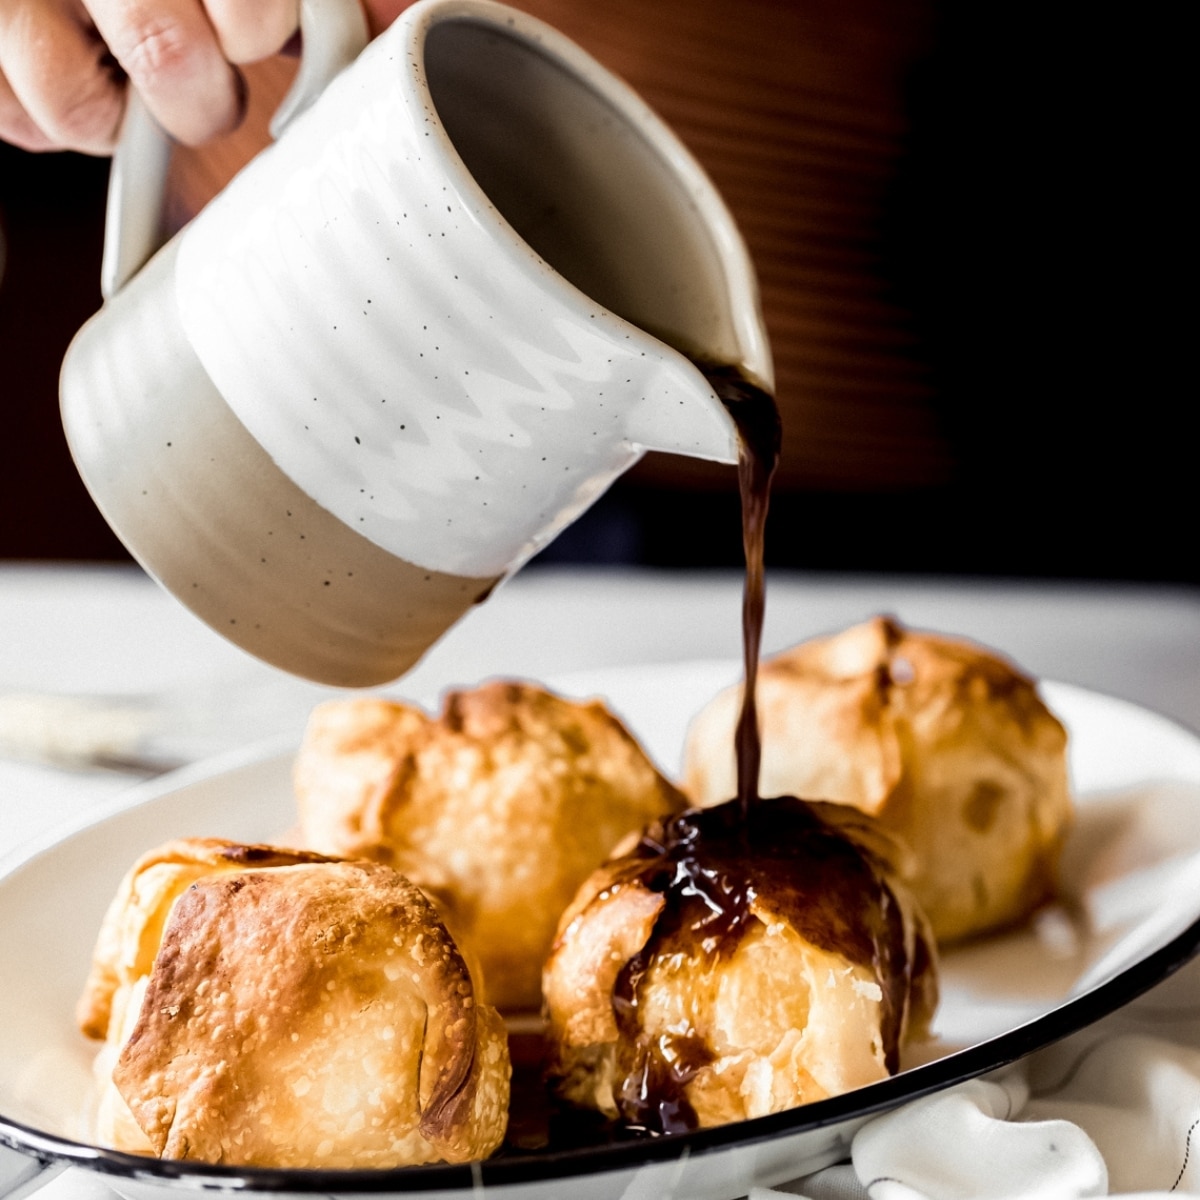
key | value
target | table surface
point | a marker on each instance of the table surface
(110, 630)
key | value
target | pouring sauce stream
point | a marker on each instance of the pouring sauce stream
(756, 416)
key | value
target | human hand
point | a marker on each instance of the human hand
(64, 64)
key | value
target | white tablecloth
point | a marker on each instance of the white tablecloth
(1114, 1110)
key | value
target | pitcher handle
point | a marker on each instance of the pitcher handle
(333, 33)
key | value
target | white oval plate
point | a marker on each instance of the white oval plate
(1130, 870)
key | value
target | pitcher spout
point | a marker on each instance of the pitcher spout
(679, 412)
(608, 198)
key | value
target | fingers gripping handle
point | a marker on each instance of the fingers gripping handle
(333, 33)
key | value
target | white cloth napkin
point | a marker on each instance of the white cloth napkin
(1111, 1111)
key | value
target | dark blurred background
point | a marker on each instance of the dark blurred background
(969, 226)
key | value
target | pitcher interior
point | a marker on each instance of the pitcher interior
(582, 183)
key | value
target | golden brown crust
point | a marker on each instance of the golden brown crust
(945, 743)
(499, 808)
(132, 928)
(304, 1012)
(820, 968)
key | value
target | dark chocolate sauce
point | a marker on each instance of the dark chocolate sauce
(708, 895)
(710, 865)
(756, 417)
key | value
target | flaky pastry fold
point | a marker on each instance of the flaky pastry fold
(500, 806)
(946, 744)
(270, 1008)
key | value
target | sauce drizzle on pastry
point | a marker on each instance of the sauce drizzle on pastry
(711, 866)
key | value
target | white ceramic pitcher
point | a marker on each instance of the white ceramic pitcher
(410, 342)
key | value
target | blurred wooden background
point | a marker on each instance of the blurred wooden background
(964, 226)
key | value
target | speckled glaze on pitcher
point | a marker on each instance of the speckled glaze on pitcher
(411, 341)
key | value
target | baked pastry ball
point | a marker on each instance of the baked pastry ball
(944, 743)
(499, 807)
(268, 1008)
(730, 965)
